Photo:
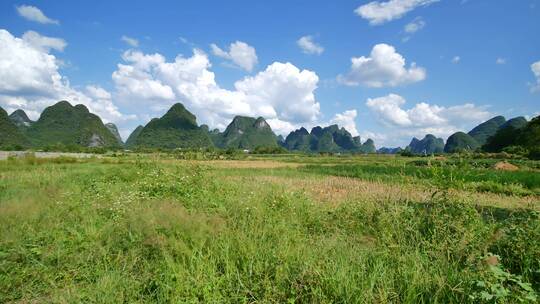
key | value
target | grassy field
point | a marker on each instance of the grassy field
(268, 229)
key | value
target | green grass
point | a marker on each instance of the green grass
(459, 176)
(139, 230)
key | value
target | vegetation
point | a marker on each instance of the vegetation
(130, 141)
(176, 129)
(485, 130)
(114, 131)
(428, 145)
(459, 142)
(330, 139)
(518, 136)
(20, 119)
(10, 136)
(151, 228)
(246, 133)
(65, 124)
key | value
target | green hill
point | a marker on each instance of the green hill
(114, 131)
(246, 133)
(298, 140)
(328, 139)
(368, 147)
(131, 139)
(10, 135)
(529, 135)
(65, 124)
(516, 123)
(506, 136)
(20, 119)
(485, 130)
(460, 141)
(176, 129)
(428, 145)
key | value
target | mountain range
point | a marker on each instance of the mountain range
(481, 136)
(63, 124)
(428, 145)
(328, 139)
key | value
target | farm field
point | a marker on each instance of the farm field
(268, 229)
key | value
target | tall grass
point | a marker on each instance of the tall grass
(178, 232)
(460, 176)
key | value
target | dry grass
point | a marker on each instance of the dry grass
(336, 190)
(247, 164)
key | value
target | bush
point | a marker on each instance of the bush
(534, 153)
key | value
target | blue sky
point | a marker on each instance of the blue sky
(420, 66)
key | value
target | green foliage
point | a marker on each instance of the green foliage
(20, 119)
(534, 153)
(148, 229)
(114, 131)
(428, 145)
(517, 136)
(133, 136)
(504, 138)
(500, 286)
(176, 129)
(368, 147)
(330, 139)
(10, 136)
(65, 124)
(298, 140)
(460, 142)
(459, 175)
(270, 150)
(246, 133)
(529, 137)
(485, 130)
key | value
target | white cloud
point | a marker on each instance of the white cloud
(288, 90)
(130, 41)
(346, 120)
(308, 46)
(44, 43)
(535, 68)
(379, 12)
(33, 13)
(414, 26)
(384, 68)
(240, 53)
(424, 118)
(456, 59)
(31, 81)
(500, 61)
(282, 93)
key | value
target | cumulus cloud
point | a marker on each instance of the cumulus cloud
(308, 46)
(500, 61)
(383, 68)
(379, 12)
(346, 120)
(33, 13)
(456, 59)
(240, 53)
(535, 68)
(44, 43)
(130, 41)
(424, 118)
(31, 80)
(282, 93)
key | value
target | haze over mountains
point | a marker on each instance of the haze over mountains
(67, 125)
